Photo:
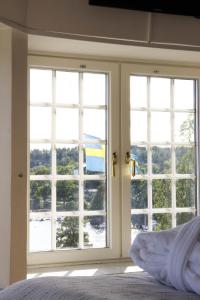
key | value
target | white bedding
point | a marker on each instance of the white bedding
(171, 256)
(130, 286)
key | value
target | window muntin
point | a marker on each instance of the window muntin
(68, 168)
(163, 191)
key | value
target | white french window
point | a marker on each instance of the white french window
(160, 185)
(74, 198)
(113, 151)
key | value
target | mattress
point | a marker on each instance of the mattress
(129, 286)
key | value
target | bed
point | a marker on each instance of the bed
(126, 286)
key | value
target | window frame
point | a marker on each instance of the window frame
(119, 193)
(113, 210)
(128, 69)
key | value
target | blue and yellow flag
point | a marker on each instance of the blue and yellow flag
(94, 155)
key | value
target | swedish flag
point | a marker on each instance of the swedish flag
(94, 155)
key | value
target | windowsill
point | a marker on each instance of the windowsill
(84, 270)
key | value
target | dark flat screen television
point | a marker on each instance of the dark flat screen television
(190, 8)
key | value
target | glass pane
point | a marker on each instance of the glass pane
(184, 127)
(184, 94)
(94, 89)
(67, 232)
(160, 127)
(67, 87)
(67, 195)
(40, 86)
(185, 160)
(161, 160)
(161, 193)
(40, 159)
(40, 195)
(94, 123)
(161, 222)
(138, 91)
(185, 193)
(39, 234)
(94, 159)
(184, 217)
(139, 194)
(67, 159)
(160, 92)
(94, 195)
(139, 223)
(95, 232)
(67, 121)
(139, 153)
(40, 123)
(138, 126)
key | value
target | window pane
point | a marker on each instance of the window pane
(94, 159)
(185, 193)
(138, 126)
(95, 232)
(160, 92)
(184, 127)
(40, 195)
(67, 195)
(67, 124)
(94, 89)
(67, 159)
(94, 123)
(40, 123)
(39, 234)
(184, 94)
(162, 222)
(161, 160)
(140, 155)
(160, 127)
(40, 86)
(185, 160)
(67, 87)
(161, 193)
(138, 91)
(67, 233)
(139, 223)
(94, 195)
(139, 194)
(184, 217)
(40, 159)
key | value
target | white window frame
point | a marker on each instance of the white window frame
(148, 70)
(113, 211)
(119, 212)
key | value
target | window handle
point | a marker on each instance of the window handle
(114, 162)
(132, 162)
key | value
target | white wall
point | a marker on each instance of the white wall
(13, 155)
(5, 153)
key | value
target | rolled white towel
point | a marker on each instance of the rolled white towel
(171, 256)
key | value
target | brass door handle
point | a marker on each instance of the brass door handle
(114, 162)
(132, 162)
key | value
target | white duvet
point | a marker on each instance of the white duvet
(171, 256)
(127, 286)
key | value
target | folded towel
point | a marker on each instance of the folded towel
(171, 256)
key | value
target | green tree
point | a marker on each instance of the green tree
(68, 233)
(67, 195)
(40, 195)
